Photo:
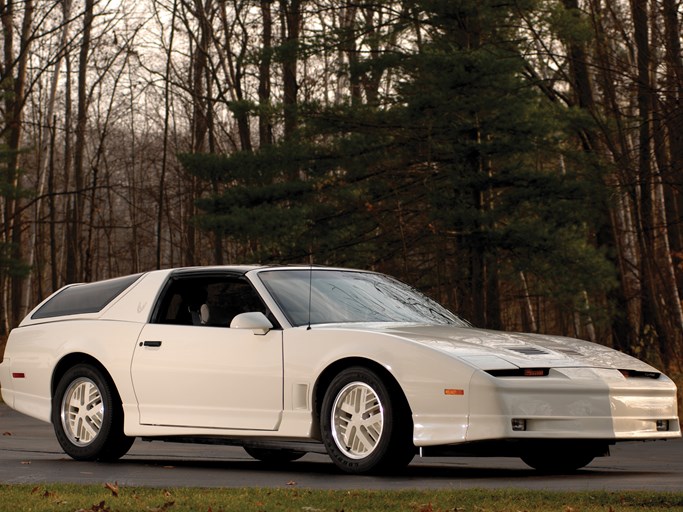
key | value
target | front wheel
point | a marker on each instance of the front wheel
(365, 427)
(87, 416)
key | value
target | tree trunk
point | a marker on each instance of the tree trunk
(348, 24)
(164, 155)
(661, 303)
(627, 327)
(265, 116)
(74, 262)
(673, 119)
(199, 124)
(47, 153)
(291, 22)
(234, 76)
(15, 67)
(199, 63)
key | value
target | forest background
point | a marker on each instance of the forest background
(521, 161)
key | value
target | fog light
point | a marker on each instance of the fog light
(662, 425)
(519, 425)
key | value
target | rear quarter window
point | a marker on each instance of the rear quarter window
(84, 298)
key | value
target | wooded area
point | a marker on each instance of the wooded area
(519, 161)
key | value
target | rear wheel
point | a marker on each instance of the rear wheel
(87, 416)
(365, 427)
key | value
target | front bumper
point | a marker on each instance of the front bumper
(567, 404)
(573, 403)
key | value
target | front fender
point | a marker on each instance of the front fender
(435, 384)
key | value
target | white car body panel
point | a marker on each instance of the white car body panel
(227, 378)
(136, 303)
(217, 381)
(38, 349)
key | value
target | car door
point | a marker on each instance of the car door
(190, 369)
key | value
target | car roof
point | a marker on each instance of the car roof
(134, 301)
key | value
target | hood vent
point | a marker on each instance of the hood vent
(528, 351)
(569, 352)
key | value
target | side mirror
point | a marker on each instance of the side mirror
(255, 321)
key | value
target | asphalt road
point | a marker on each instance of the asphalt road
(29, 453)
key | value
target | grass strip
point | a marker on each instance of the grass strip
(111, 497)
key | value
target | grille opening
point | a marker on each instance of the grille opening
(520, 372)
(637, 374)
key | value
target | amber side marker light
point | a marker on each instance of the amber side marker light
(454, 392)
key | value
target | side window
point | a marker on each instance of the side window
(227, 299)
(181, 301)
(210, 301)
(85, 298)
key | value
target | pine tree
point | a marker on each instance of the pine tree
(462, 178)
(503, 186)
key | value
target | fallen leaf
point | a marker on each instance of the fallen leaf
(163, 507)
(7, 433)
(102, 507)
(114, 488)
(26, 462)
(291, 482)
(98, 507)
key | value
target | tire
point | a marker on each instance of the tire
(366, 426)
(273, 456)
(87, 416)
(560, 460)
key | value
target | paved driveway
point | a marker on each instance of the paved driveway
(29, 453)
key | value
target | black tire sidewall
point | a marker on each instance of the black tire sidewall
(98, 447)
(561, 461)
(273, 456)
(378, 459)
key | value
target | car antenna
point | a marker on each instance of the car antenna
(310, 293)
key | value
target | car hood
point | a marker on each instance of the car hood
(490, 350)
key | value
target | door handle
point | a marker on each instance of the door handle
(151, 344)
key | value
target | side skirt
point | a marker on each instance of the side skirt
(279, 444)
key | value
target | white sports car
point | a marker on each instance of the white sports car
(289, 360)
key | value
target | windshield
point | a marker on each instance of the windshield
(338, 296)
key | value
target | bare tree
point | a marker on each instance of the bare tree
(14, 75)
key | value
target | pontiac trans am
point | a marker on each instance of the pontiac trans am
(289, 360)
